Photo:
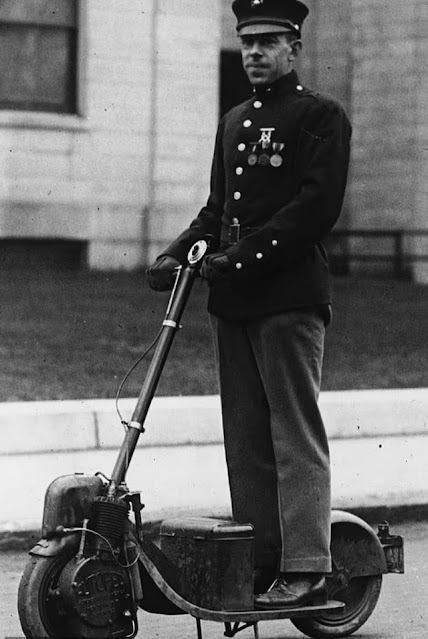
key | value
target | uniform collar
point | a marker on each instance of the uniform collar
(283, 85)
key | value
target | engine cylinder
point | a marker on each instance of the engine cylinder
(108, 516)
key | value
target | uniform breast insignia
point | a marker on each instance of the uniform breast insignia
(276, 159)
(265, 152)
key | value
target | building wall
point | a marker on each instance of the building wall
(185, 115)
(133, 167)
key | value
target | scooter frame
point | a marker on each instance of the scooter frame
(377, 555)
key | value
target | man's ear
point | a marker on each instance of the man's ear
(296, 47)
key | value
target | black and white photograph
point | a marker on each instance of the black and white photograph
(213, 319)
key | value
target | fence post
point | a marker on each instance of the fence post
(398, 254)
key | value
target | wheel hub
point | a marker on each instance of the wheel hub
(97, 594)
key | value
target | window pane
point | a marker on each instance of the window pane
(59, 12)
(37, 72)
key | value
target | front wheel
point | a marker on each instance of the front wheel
(40, 614)
(360, 597)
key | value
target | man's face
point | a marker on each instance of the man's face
(266, 57)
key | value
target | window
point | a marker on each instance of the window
(38, 55)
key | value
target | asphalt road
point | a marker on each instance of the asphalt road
(401, 613)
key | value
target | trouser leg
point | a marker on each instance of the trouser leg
(248, 444)
(274, 369)
(289, 352)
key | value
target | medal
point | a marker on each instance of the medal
(252, 159)
(276, 160)
(266, 137)
(264, 159)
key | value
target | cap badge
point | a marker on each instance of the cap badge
(255, 3)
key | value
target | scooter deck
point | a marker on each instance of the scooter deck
(252, 616)
(245, 616)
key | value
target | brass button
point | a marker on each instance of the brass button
(259, 256)
(239, 170)
(257, 104)
(237, 195)
(299, 87)
(238, 265)
(241, 146)
(247, 123)
(274, 242)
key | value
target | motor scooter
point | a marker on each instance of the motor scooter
(98, 564)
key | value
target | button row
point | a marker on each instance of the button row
(259, 256)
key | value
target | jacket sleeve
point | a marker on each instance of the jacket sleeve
(320, 174)
(208, 221)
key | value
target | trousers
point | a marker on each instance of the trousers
(276, 446)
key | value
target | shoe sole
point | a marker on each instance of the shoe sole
(313, 601)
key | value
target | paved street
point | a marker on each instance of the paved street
(402, 611)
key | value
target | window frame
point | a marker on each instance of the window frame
(23, 118)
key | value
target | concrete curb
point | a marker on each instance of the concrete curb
(35, 427)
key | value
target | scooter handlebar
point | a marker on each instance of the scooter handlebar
(197, 252)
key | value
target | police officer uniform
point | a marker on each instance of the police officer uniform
(277, 186)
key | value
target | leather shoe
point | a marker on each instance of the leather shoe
(302, 591)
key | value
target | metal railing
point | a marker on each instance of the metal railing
(342, 251)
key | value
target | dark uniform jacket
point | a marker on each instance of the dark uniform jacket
(279, 170)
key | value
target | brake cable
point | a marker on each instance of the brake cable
(146, 352)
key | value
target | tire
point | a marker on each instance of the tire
(360, 596)
(39, 613)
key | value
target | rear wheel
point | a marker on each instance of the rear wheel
(360, 596)
(355, 581)
(39, 608)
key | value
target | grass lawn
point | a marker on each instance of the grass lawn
(70, 334)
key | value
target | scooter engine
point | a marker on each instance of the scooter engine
(96, 595)
(94, 587)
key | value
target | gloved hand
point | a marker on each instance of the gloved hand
(215, 267)
(161, 275)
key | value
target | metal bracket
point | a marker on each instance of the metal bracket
(232, 629)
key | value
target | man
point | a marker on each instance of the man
(277, 185)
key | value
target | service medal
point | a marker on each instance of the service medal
(276, 160)
(252, 159)
(264, 159)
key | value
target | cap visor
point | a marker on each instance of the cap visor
(257, 29)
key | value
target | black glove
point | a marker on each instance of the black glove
(162, 273)
(215, 267)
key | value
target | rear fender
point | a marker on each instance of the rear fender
(353, 538)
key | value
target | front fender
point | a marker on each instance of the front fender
(68, 501)
(352, 538)
(56, 546)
